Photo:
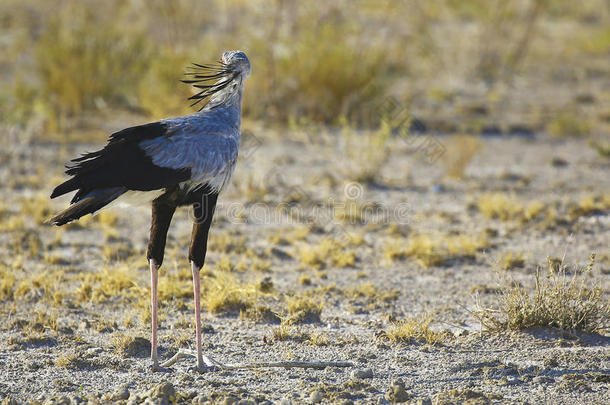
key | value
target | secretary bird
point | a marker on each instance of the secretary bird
(173, 162)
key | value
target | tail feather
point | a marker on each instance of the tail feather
(66, 187)
(88, 204)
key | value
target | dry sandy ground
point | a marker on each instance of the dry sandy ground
(68, 336)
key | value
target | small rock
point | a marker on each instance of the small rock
(199, 399)
(361, 374)
(285, 401)
(438, 188)
(230, 400)
(33, 365)
(164, 391)
(246, 402)
(382, 401)
(134, 346)
(543, 379)
(397, 392)
(63, 400)
(316, 396)
(510, 380)
(94, 350)
(121, 393)
(423, 401)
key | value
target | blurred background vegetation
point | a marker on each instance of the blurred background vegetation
(474, 66)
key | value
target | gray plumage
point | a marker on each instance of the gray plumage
(207, 141)
(174, 162)
(188, 152)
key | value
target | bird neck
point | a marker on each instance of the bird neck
(230, 97)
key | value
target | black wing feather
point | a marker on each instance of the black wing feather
(121, 163)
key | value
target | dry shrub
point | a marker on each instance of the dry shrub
(86, 60)
(568, 124)
(366, 152)
(327, 252)
(415, 329)
(459, 153)
(319, 67)
(559, 300)
(434, 250)
(500, 206)
(302, 310)
(7, 282)
(224, 293)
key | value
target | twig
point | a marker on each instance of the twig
(210, 362)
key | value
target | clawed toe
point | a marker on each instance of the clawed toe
(203, 369)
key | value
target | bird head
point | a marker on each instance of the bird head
(237, 61)
(215, 80)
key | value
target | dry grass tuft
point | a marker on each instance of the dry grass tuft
(371, 292)
(130, 346)
(7, 283)
(436, 250)
(318, 339)
(500, 206)
(327, 252)
(559, 300)
(366, 153)
(416, 329)
(568, 124)
(512, 260)
(589, 205)
(224, 293)
(72, 361)
(458, 155)
(302, 310)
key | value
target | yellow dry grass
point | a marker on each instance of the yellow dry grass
(434, 250)
(414, 329)
(559, 299)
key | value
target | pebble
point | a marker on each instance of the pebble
(316, 396)
(229, 400)
(511, 380)
(423, 401)
(285, 401)
(361, 374)
(63, 400)
(543, 379)
(199, 399)
(94, 350)
(397, 392)
(121, 393)
(246, 402)
(438, 188)
(164, 391)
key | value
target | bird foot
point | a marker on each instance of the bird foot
(204, 369)
(207, 364)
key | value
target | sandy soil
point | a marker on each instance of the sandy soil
(59, 343)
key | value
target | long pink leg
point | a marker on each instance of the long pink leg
(154, 277)
(196, 293)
